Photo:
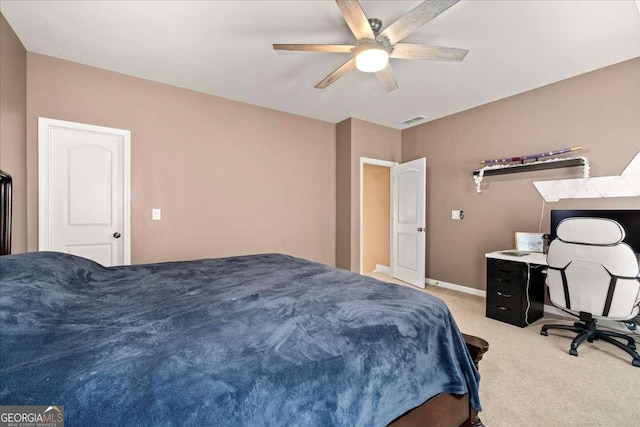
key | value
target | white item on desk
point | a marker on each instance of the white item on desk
(529, 242)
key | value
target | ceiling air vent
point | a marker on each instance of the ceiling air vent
(413, 120)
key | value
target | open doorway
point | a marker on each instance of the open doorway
(375, 215)
(393, 218)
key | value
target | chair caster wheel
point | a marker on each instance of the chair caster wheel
(636, 363)
(543, 332)
(632, 346)
(590, 339)
(573, 352)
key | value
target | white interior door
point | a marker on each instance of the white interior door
(84, 191)
(408, 252)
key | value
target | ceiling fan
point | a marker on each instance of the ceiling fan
(373, 49)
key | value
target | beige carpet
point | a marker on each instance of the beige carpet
(531, 380)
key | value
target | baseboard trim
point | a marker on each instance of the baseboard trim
(454, 287)
(385, 269)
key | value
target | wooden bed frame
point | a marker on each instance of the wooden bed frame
(443, 410)
(5, 213)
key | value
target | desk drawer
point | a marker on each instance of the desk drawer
(505, 314)
(507, 287)
(502, 298)
(506, 271)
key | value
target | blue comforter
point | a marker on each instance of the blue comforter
(243, 341)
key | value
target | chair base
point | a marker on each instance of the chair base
(587, 331)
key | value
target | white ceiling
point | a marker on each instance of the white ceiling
(224, 48)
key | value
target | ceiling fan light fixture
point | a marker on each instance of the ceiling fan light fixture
(372, 59)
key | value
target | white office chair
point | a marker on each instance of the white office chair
(593, 275)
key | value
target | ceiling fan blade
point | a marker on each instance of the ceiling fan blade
(387, 78)
(420, 51)
(415, 18)
(337, 73)
(356, 19)
(333, 48)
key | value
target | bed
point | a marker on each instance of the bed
(5, 213)
(252, 340)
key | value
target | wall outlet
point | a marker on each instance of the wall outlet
(457, 214)
(156, 214)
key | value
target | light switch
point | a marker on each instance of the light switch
(457, 214)
(156, 215)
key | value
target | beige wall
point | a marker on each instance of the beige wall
(13, 110)
(375, 142)
(376, 215)
(355, 139)
(598, 110)
(235, 178)
(230, 178)
(343, 194)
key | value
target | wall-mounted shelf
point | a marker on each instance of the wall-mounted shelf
(529, 167)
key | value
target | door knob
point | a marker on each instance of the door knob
(116, 235)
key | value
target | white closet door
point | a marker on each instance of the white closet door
(84, 191)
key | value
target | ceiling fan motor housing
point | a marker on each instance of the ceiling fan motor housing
(366, 44)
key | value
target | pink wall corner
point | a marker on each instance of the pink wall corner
(230, 178)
